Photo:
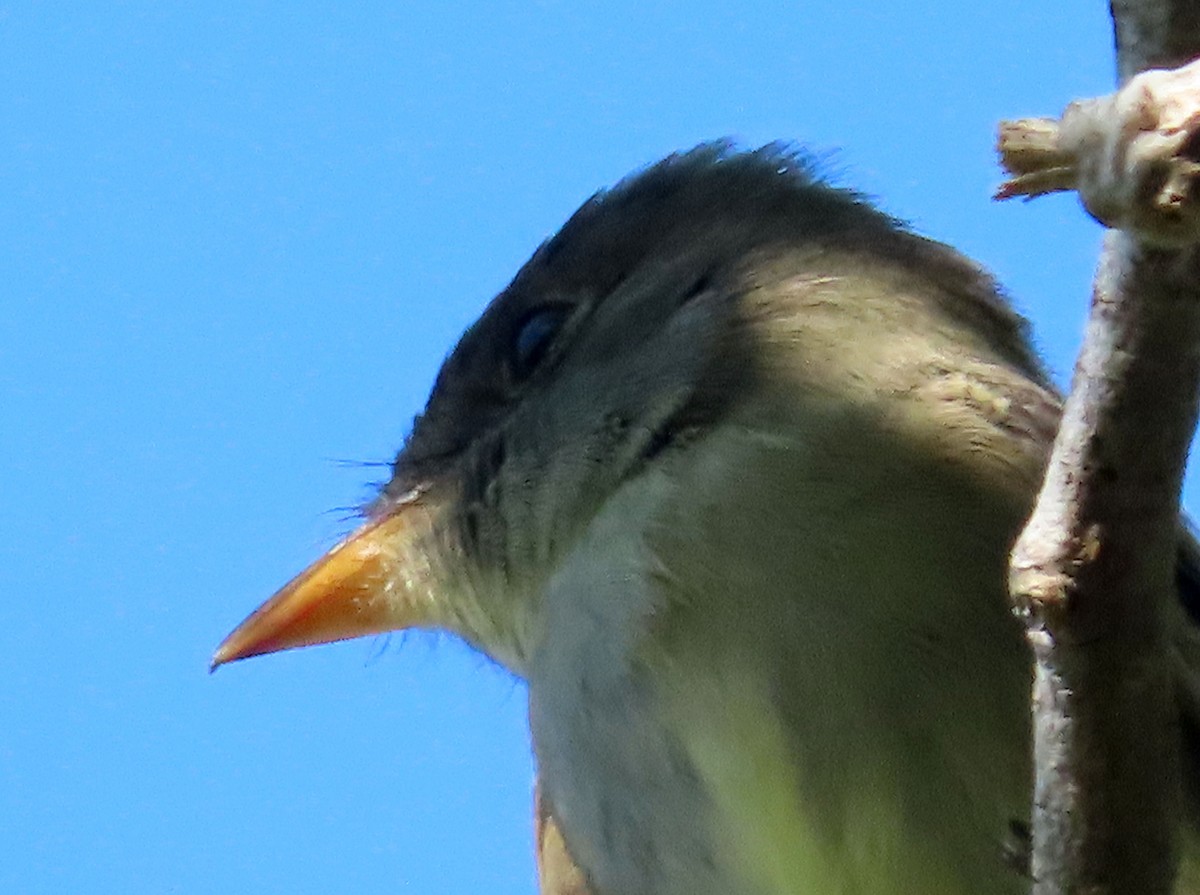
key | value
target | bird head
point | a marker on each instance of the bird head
(629, 335)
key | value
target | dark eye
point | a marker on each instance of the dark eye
(534, 336)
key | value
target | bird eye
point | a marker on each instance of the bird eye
(534, 336)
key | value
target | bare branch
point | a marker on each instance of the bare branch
(1092, 574)
(1154, 34)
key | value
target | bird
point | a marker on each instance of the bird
(729, 474)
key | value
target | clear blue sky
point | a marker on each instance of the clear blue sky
(235, 242)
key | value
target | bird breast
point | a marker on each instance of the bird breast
(765, 676)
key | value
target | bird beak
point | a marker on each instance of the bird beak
(381, 578)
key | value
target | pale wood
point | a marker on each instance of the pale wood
(1093, 573)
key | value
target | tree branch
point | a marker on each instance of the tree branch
(1092, 574)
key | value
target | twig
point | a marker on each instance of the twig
(1134, 156)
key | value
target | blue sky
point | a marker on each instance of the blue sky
(237, 240)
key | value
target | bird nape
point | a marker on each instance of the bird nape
(729, 474)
